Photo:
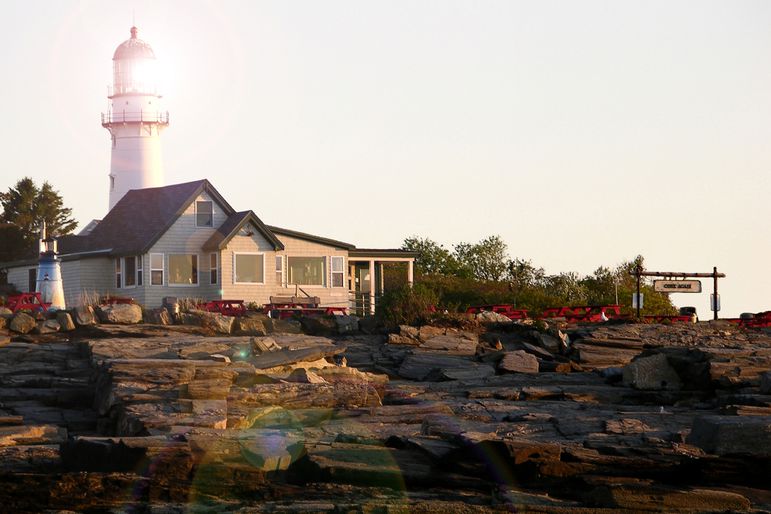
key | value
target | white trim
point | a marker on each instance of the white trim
(332, 271)
(315, 286)
(140, 270)
(234, 268)
(197, 271)
(195, 214)
(162, 269)
(282, 272)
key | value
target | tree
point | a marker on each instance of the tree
(26, 206)
(486, 260)
(432, 259)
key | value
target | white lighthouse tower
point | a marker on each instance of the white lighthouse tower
(135, 119)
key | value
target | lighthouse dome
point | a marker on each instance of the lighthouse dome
(133, 48)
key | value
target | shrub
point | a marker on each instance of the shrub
(407, 306)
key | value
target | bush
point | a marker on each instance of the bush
(406, 306)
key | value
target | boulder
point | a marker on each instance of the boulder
(305, 376)
(518, 362)
(158, 316)
(22, 323)
(462, 343)
(48, 326)
(492, 317)
(214, 321)
(551, 343)
(765, 382)
(3, 322)
(347, 324)
(264, 344)
(84, 315)
(319, 325)
(65, 321)
(731, 435)
(251, 326)
(5, 312)
(120, 313)
(652, 373)
(287, 326)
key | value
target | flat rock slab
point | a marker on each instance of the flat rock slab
(448, 367)
(286, 356)
(726, 435)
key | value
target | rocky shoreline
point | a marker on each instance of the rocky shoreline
(320, 416)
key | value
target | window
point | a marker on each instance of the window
(203, 214)
(279, 270)
(156, 269)
(118, 273)
(248, 268)
(338, 275)
(140, 271)
(32, 280)
(183, 270)
(213, 268)
(306, 271)
(130, 275)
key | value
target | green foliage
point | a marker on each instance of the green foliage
(25, 207)
(406, 306)
(481, 273)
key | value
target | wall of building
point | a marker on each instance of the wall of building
(330, 296)
(19, 277)
(183, 237)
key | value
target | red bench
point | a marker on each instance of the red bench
(583, 313)
(26, 302)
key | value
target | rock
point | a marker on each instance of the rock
(458, 343)
(251, 326)
(264, 344)
(519, 362)
(3, 322)
(550, 343)
(408, 331)
(22, 323)
(305, 376)
(187, 318)
(347, 324)
(492, 317)
(423, 366)
(220, 358)
(287, 326)
(368, 324)
(158, 316)
(652, 372)
(48, 326)
(65, 321)
(319, 325)
(5, 312)
(765, 383)
(84, 315)
(120, 313)
(729, 435)
(214, 321)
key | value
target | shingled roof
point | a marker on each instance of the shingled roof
(233, 224)
(140, 218)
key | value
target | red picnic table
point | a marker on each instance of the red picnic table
(506, 309)
(227, 307)
(26, 301)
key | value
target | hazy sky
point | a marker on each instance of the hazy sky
(584, 133)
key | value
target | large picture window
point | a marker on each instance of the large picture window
(203, 214)
(249, 268)
(183, 270)
(156, 269)
(306, 271)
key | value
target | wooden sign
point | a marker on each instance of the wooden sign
(677, 286)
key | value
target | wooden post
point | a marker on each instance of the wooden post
(372, 286)
(410, 272)
(714, 278)
(638, 272)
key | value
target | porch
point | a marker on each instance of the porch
(372, 273)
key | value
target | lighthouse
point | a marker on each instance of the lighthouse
(135, 119)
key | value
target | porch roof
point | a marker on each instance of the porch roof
(382, 253)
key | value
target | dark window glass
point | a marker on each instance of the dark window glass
(203, 214)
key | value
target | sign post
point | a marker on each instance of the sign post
(680, 286)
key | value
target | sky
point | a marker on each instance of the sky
(583, 133)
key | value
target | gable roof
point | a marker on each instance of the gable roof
(311, 238)
(233, 224)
